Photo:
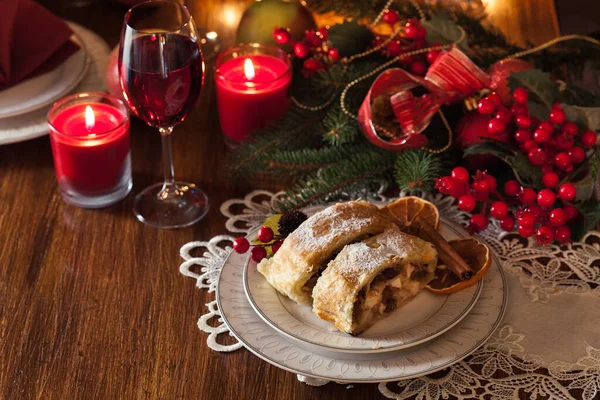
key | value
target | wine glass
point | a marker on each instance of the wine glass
(161, 71)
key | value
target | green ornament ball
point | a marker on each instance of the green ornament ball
(262, 16)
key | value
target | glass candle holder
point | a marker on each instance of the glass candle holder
(89, 133)
(252, 82)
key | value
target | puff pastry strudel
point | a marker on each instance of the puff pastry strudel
(368, 280)
(296, 266)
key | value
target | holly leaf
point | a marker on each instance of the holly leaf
(590, 212)
(350, 38)
(441, 29)
(273, 223)
(538, 110)
(584, 178)
(585, 117)
(577, 96)
(526, 173)
(594, 162)
(585, 188)
(538, 83)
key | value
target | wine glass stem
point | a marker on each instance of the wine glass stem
(165, 135)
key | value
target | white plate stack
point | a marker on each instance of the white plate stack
(23, 107)
(430, 333)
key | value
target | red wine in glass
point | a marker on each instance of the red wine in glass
(162, 76)
(161, 72)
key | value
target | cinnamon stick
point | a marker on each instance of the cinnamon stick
(446, 253)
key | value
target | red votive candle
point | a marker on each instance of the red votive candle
(89, 133)
(252, 82)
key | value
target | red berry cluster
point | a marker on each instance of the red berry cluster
(481, 187)
(555, 146)
(266, 236)
(314, 49)
(552, 145)
(413, 39)
(536, 213)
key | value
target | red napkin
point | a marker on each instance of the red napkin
(32, 41)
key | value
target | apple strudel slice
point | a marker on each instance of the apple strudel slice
(368, 280)
(298, 263)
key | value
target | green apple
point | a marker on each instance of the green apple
(262, 16)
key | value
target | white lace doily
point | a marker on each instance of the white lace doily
(548, 347)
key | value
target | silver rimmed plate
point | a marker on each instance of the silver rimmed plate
(310, 360)
(423, 319)
(45, 89)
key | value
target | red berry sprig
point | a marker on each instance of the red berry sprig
(468, 194)
(241, 245)
(414, 30)
(258, 253)
(551, 145)
(539, 214)
(266, 236)
(548, 144)
(315, 49)
(413, 38)
(556, 146)
(390, 17)
(282, 35)
(536, 213)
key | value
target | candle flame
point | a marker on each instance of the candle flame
(249, 69)
(90, 121)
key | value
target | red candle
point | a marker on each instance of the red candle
(90, 144)
(252, 82)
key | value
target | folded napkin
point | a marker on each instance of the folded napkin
(32, 41)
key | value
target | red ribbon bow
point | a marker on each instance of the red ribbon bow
(451, 77)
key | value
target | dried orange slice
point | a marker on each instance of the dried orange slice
(406, 210)
(475, 253)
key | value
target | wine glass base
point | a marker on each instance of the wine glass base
(180, 205)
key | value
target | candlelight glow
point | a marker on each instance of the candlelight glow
(90, 121)
(231, 16)
(249, 69)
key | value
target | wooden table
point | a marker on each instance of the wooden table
(92, 304)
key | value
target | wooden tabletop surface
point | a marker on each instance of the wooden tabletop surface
(92, 305)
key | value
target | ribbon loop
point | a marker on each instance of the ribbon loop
(451, 77)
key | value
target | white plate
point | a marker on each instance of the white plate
(45, 89)
(309, 360)
(33, 124)
(426, 317)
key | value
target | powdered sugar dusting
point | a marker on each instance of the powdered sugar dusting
(368, 256)
(323, 227)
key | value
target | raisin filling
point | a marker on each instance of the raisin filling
(312, 281)
(389, 289)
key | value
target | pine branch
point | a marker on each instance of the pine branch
(339, 128)
(360, 169)
(331, 82)
(326, 147)
(300, 162)
(415, 170)
(302, 128)
(297, 130)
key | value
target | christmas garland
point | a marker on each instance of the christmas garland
(324, 147)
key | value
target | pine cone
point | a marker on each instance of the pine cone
(290, 221)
